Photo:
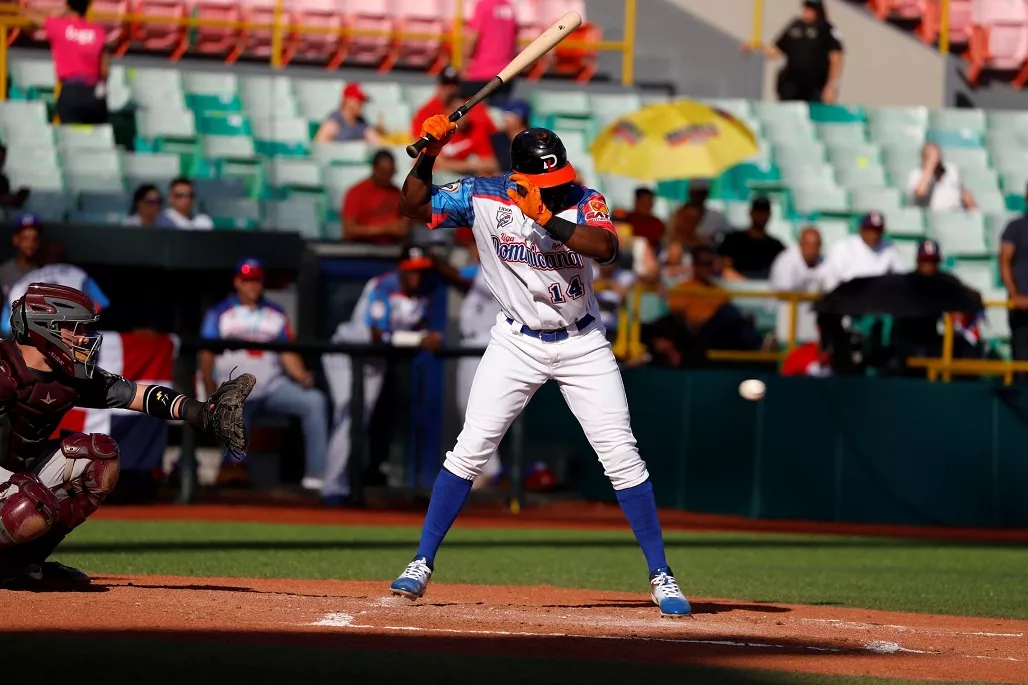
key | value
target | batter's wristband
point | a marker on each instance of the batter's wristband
(561, 229)
(423, 168)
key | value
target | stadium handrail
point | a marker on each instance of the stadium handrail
(9, 19)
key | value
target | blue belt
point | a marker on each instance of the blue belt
(558, 334)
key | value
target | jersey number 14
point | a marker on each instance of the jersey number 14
(574, 291)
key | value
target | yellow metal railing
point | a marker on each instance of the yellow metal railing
(281, 30)
(628, 344)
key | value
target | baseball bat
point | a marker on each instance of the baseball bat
(546, 41)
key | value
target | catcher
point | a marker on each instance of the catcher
(49, 487)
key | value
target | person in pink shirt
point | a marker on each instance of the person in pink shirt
(490, 42)
(81, 61)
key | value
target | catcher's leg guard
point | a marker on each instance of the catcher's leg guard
(27, 511)
(84, 487)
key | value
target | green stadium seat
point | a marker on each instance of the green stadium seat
(978, 273)
(224, 124)
(900, 160)
(294, 173)
(1006, 120)
(354, 152)
(990, 201)
(809, 174)
(317, 98)
(837, 114)
(51, 203)
(859, 154)
(33, 78)
(38, 178)
(997, 321)
(300, 214)
(106, 203)
(282, 137)
(958, 233)
(980, 180)
(1010, 160)
(884, 118)
(865, 176)
(832, 231)
(1015, 182)
(332, 230)
(995, 224)
(395, 117)
(576, 144)
(908, 251)
(156, 89)
(789, 132)
(119, 95)
(607, 107)
(654, 98)
(971, 121)
(737, 107)
(156, 124)
(233, 213)
(152, 168)
(209, 102)
(210, 82)
(955, 139)
(898, 136)
(840, 135)
(25, 123)
(383, 92)
(904, 221)
(619, 190)
(793, 155)
(874, 199)
(967, 158)
(561, 104)
(229, 147)
(339, 179)
(78, 137)
(418, 95)
(782, 229)
(268, 96)
(814, 199)
(218, 188)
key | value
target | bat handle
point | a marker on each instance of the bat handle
(415, 149)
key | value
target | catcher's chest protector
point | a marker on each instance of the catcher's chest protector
(40, 407)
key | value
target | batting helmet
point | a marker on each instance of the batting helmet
(539, 154)
(53, 319)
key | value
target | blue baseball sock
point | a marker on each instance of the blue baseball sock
(641, 511)
(448, 497)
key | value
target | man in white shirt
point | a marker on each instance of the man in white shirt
(937, 185)
(798, 270)
(181, 213)
(868, 253)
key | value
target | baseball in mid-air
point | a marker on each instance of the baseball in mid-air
(752, 389)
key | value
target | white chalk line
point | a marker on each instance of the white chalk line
(905, 629)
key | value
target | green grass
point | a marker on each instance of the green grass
(879, 573)
(132, 660)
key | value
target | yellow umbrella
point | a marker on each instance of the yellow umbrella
(673, 141)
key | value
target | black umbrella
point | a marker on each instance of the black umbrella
(901, 295)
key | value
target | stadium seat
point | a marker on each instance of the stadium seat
(874, 199)
(258, 41)
(889, 117)
(268, 96)
(990, 201)
(229, 147)
(608, 107)
(327, 47)
(211, 40)
(737, 107)
(816, 174)
(793, 155)
(979, 180)
(339, 179)
(960, 21)
(370, 15)
(897, 9)
(76, 137)
(978, 274)
(394, 117)
(958, 233)
(839, 135)
(117, 28)
(51, 203)
(294, 173)
(156, 89)
(813, 199)
(105, 203)
(152, 168)
(832, 231)
(317, 98)
(422, 16)
(156, 124)
(33, 78)
(230, 212)
(553, 106)
(301, 214)
(282, 136)
(997, 321)
(995, 224)
(967, 158)
(1015, 182)
(949, 119)
(904, 221)
(352, 153)
(908, 252)
(216, 188)
(157, 37)
(999, 38)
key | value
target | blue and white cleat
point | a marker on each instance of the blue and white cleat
(666, 594)
(414, 579)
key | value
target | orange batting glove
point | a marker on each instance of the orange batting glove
(531, 201)
(441, 129)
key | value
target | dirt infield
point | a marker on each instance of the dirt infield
(534, 621)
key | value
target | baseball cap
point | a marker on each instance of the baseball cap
(250, 269)
(354, 90)
(760, 204)
(449, 76)
(27, 220)
(873, 220)
(928, 251)
(415, 258)
(518, 108)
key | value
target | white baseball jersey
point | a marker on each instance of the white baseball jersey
(538, 281)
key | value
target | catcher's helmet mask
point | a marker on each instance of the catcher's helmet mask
(54, 320)
(540, 155)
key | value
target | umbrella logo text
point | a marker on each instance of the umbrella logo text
(693, 134)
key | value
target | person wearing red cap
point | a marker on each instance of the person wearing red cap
(348, 123)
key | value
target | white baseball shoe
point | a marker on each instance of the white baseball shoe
(414, 579)
(666, 594)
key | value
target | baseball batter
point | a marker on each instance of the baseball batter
(535, 230)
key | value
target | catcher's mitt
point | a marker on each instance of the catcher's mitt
(223, 412)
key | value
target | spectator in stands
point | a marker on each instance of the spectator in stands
(57, 271)
(369, 211)
(644, 223)
(937, 185)
(869, 253)
(348, 123)
(7, 198)
(676, 264)
(798, 270)
(1013, 268)
(81, 61)
(753, 251)
(146, 206)
(696, 218)
(25, 238)
(812, 50)
(470, 151)
(284, 384)
(490, 42)
(181, 213)
(516, 115)
(808, 359)
(446, 99)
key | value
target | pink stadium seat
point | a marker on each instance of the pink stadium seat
(117, 28)
(578, 63)
(218, 40)
(158, 37)
(371, 15)
(999, 38)
(319, 46)
(258, 41)
(42, 7)
(959, 21)
(896, 9)
(422, 16)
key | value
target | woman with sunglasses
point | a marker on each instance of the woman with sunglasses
(146, 205)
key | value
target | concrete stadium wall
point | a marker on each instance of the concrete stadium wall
(884, 66)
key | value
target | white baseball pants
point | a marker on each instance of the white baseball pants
(515, 366)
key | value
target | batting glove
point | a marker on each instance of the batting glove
(529, 199)
(440, 129)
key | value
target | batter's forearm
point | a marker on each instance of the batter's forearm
(589, 241)
(416, 194)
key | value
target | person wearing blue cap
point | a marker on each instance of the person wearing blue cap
(516, 115)
(25, 238)
(284, 383)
